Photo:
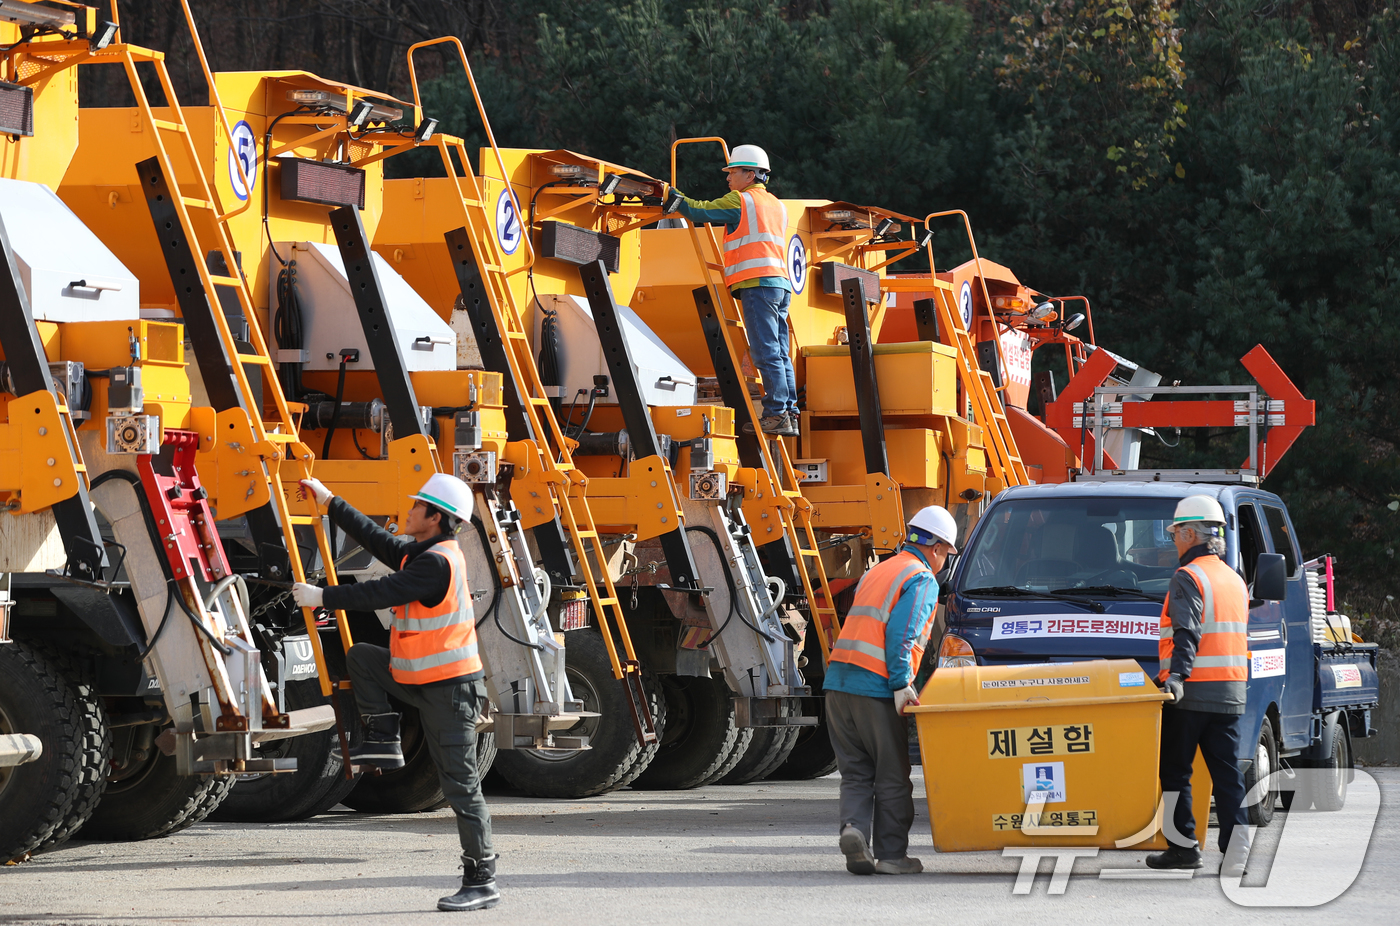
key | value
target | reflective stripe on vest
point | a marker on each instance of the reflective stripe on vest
(437, 643)
(862, 640)
(1222, 655)
(757, 246)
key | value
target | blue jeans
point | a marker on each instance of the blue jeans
(766, 321)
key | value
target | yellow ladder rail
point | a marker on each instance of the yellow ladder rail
(797, 515)
(217, 237)
(1007, 465)
(568, 484)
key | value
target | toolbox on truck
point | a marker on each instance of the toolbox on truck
(1055, 754)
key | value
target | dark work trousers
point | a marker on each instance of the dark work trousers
(871, 740)
(448, 714)
(1218, 736)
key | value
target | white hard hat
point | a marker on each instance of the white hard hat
(749, 157)
(1198, 509)
(932, 524)
(447, 493)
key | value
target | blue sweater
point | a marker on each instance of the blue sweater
(917, 601)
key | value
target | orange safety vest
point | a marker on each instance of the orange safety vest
(437, 643)
(862, 641)
(1223, 653)
(757, 245)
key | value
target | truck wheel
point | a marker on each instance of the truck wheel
(1261, 813)
(94, 740)
(150, 800)
(1328, 779)
(769, 748)
(615, 758)
(36, 798)
(812, 755)
(318, 784)
(700, 739)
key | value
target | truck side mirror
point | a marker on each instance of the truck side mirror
(1270, 573)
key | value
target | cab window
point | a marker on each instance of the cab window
(1250, 545)
(1282, 537)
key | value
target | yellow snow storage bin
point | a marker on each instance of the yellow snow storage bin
(1061, 754)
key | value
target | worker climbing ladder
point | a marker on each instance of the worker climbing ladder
(482, 275)
(260, 457)
(722, 322)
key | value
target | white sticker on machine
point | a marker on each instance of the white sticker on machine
(1043, 782)
(1266, 663)
(1013, 628)
(1036, 682)
(1347, 676)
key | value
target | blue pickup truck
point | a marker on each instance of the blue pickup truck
(1061, 573)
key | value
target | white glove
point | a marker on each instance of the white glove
(307, 596)
(317, 490)
(905, 697)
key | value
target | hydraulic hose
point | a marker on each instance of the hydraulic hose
(729, 580)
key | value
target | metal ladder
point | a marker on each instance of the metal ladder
(986, 402)
(274, 446)
(552, 452)
(796, 513)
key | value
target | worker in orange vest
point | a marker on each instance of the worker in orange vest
(432, 661)
(869, 684)
(755, 270)
(1203, 648)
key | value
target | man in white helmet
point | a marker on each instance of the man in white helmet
(755, 270)
(1204, 661)
(868, 686)
(431, 663)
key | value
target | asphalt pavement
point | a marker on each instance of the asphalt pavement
(760, 853)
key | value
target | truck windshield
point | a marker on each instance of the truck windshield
(1103, 545)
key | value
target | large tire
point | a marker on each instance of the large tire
(318, 784)
(38, 797)
(769, 748)
(812, 755)
(154, 801)
(94, 740)
(1261, 812)
(614, 758)
(701, 742)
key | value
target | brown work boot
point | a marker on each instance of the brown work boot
(898, 866)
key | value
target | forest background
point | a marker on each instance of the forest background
(1211, 175)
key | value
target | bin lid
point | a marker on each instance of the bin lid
(1096, 681)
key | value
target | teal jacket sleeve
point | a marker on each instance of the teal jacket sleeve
(911, 612)
(723, 211)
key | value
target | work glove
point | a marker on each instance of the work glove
(905, 697)
(308, 596)
(1173, 687)
(674, 198)
(317, 490)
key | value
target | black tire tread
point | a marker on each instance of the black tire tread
(769, 749)
(125, 817)
(66, 753)
(662, 774)
(94, 740)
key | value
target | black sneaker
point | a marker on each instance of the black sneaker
(1175, 858)
(478, 886)
(380, 746)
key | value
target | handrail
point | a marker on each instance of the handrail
(218, 106)
(1088, 313)
(485, 122)
(694, 141)
(981, 276)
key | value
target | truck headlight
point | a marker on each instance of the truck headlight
(955, 652)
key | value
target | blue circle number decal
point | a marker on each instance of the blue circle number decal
(508, 230)
(797, 264)
(242, 149)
